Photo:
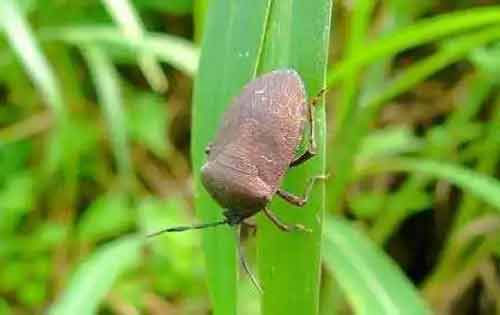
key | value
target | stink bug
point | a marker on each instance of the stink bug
(255, 147)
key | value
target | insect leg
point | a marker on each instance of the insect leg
(249, 225)
(311, 150)
(282, 226)
(244, 263)
(208, 148)
(250, 228)
(304, 157)
(297, 200)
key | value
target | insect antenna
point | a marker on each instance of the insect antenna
(188, 227)
(244, 263)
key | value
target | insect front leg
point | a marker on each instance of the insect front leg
(297, 200)
(282, 226)
(208, 148)
(311, 150)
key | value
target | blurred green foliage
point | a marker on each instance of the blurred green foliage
(95, 109)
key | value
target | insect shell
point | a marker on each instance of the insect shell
(255, 146)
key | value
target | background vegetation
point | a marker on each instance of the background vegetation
(97, 149)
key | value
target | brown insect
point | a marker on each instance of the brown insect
(255, 146)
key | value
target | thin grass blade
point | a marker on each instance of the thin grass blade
(23, 42)
(372, 282)
(353, 132)
(482, 186)
(95, 277)
(170, 49)
(417, 34)
(127, 18)
(107, 84)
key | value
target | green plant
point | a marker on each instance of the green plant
(359, 110)
(94, 153)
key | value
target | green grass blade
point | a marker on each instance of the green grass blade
(486, 164)
(107, 84)
(200, 9)
(127, 18)
(231, 47)
(471, 206)
(482, 186)
(398, 204)
(372, 282)
(173, 50)
(289, 263)
(388, 142)
(95, 277)
(451, 52)
(20, 37)
(416, 34)
(352, 132)
(360, 19)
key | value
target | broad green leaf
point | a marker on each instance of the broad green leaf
(95, 277)
(371, 281)
(297, 37)
(230, 52)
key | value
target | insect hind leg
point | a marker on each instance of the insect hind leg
(244, 262)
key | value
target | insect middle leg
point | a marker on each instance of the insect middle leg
(282, 226)
(311, 150)
(297, 200)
